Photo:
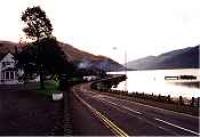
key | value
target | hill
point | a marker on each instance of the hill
(81, 58)
(181, 58)
(87, 60)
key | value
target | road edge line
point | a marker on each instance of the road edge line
(114, 128)
(158, 108)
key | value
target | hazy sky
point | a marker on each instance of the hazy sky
(140, 27)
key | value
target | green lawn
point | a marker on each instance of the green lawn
(51, 86)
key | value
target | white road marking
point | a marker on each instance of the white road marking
(176, 126)
(147, 121)
(109, 124)
(161, 109)
(161, 127)
(168, 123)
(124, 107)
(132, 110)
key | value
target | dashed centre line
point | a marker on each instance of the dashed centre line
(176, 126)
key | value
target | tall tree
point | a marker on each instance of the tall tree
(52, 58)
(38, 27)
(38, 24)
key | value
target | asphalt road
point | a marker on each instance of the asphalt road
(83, 122)
(110, 115)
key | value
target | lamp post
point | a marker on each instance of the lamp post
(125, 61)
(125, 64)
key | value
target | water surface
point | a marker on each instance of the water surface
(153, 81)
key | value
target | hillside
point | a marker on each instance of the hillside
(181, 58)
(7, 46)
(87, 60)
(82, 58)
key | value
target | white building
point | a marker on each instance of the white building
(8, 71)
(90, 78)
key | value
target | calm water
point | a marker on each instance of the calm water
(152, 81)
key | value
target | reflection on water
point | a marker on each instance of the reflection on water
(153, 81)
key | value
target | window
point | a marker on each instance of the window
(3, 64)
(2, 75)
(7, 75)
(11, 75)
(6, 64)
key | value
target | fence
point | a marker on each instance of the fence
(194, 102)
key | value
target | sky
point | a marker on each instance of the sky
(112, 27)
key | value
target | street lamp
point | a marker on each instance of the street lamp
(125, 59)
(125, 64)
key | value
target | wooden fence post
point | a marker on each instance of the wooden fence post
(192, 102)
(168, 98)
(181, 100)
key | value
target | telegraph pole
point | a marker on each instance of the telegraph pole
(125, 61)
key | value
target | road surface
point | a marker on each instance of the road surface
(109, 115)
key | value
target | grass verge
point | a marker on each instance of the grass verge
(51, 86)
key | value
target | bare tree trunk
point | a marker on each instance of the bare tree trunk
(41, 77)
(40, 66)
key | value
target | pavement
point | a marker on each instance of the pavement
(23, 112)
(94, 113)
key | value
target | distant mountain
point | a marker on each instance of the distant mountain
(7, 46)
(86, 60)
(181, 58)
(81, 58)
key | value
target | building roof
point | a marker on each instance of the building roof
(9, 69)
(2, 55)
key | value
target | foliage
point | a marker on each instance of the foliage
(43, 56)
(37, 28)
(80, 72)
(38, 25)
(50, 87)
(52, 58)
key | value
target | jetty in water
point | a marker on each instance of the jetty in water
(181, 77)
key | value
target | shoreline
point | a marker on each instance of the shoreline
(165, 102)
(186, 109)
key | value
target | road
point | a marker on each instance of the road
(110, 115)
